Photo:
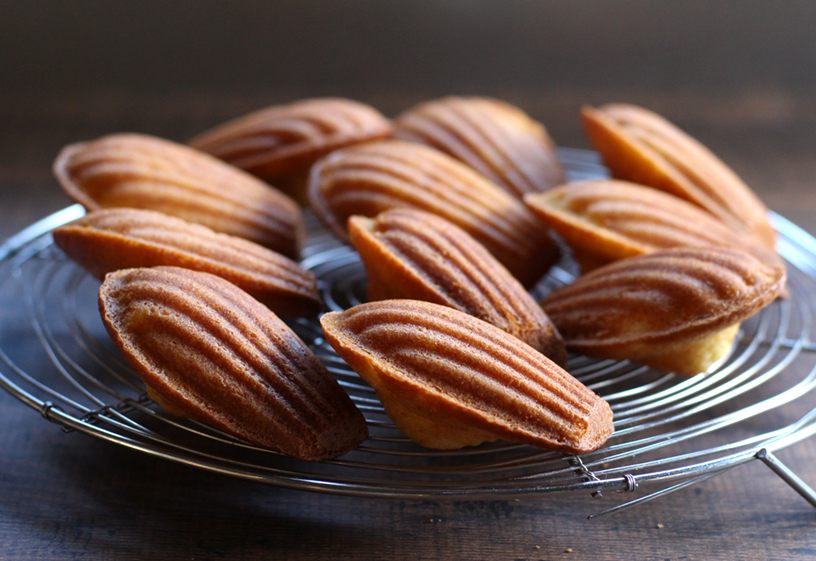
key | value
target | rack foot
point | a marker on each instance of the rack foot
(787, 475)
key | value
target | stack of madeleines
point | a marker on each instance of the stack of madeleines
(454, 207)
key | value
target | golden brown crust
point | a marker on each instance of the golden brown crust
(415, 255)
(450, 380)
(280, 143)
(495, 138)
(640, 146)
(607, 220)
(652, 308)
(123, 238)
(371, 178)
(210, 352)
(139, 171)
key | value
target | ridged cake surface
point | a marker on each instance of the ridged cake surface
(140, 171)
(123, 238)
(279, 144)
(495, 138)
(415, 255)
(371, 178)
(640, 146)
(449, 380)
(676, 310)
(607, 220)
(208, 351)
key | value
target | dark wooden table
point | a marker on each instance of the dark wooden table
(68, 496)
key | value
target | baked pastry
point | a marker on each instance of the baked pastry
(603, 221)
(415, 255)
(677, 310)
(139, 171)
(371, 178)
(124, 238)
(449, 380)
(280, 143)
(642, 147)
(495, 138)
(210, 352)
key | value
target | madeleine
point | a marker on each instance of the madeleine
(107, 240)
(208, 351)
(676, 310)
(415, 255)
(140, 171)
(371, 178)
(495, 138)
(640, 146)
(280, 143)
(603, 221)
(449, 380)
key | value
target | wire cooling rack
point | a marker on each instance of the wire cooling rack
(670, 431)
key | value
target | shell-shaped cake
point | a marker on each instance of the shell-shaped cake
(415, 255)
(603, 221)
(371, 178)
(208, 351)
(450, 380)
(640, 146)
(280, 143)
(125, 238)
(497, 139)
(139, 171)
(676, 310)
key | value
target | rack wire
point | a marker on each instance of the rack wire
(670, 431)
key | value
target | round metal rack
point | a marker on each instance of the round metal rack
(58, 360)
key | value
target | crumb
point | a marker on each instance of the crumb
(538, 547)
(660, 526)
(568, 550)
